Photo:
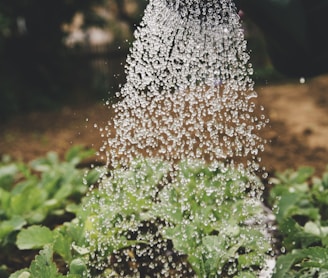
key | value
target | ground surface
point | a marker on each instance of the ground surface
(297, 133)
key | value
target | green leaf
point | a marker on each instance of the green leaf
(312, 228)
(28, 203)
(7, 175)
(295, 236)
(73, 208)
(43, 265)
(245, 274)
(286, 202)
(4, 202)
(78, 266)
(34, 237)
(92, 176)
(64, 191)
(216, 253)
(290, 177)
(303, 174)
(23, 273)
(284, 264)
(80, 250)
(44, 164)
(315, 257)
(50, 181)
(77, 153)
(8, 226)
(308, 260)
(325, 180)
(25, 170)
(75, 230)
(62, 243)
(325, 241)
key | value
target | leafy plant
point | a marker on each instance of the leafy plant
(42, 266)
(45, 191)
(202, 212)
(59, 241)
(301, 208)
(194, 220)
(190, 221)
(207, 211)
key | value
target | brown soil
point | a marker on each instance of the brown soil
(297, 133)
(298, 129)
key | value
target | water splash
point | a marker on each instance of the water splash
(189, 97)
(189, 94)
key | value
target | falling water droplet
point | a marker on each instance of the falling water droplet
(302, 80)
(188, 97)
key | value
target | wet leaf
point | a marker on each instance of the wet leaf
(34, 237)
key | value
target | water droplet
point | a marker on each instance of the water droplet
(188, 97)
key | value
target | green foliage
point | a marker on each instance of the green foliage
(34, 237)
(43, 189)
(106, 220)
(202, 211)
(303, 263)
(206, 211)
(42, 266)
(301, 209)
(60, 241)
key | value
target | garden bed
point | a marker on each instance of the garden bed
(297, 136)
(149, 220)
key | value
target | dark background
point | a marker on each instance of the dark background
(41, 69)
(38, 70)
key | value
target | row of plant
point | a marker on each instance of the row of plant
(42, 194)
(300, 202)
(57, 220)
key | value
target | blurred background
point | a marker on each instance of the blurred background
(62, 51)
(70, 52)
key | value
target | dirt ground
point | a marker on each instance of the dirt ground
(297, 134)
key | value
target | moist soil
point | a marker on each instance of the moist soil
(297, 133)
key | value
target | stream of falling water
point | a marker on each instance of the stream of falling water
(189, 94)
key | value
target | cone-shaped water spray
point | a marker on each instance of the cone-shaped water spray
(197, 8)
(189, 94)
(184, 143)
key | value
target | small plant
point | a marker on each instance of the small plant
(301, 203)
(43, 192)
(194, 221)
(201, 217)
